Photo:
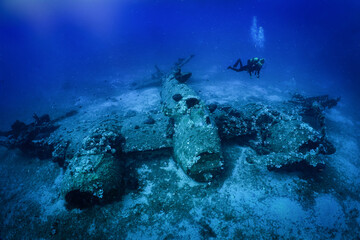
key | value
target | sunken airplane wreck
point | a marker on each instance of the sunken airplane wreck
(94, 153)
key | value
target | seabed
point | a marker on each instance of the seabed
(246, 202)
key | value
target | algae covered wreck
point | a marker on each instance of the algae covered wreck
(172, 163)
(94, 152)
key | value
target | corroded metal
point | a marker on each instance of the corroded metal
(197, 147)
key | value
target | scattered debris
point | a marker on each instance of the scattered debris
(277, 138)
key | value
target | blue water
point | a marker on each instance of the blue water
(53, 53)
(46, 47)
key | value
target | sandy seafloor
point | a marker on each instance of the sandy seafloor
(247, 202)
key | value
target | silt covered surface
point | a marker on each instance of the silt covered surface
(246, 201)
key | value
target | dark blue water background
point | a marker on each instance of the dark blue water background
(47, 49)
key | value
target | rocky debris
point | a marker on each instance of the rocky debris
(231, 122)
(312, 109)
(61, 153)
(40, 138)
(278, 139)
(290, 141)
(324, 101)
(30, 138)
(104, 138)
(91, 150)
(93, 179)
(96, 173)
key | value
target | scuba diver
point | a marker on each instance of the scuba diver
(254, 65)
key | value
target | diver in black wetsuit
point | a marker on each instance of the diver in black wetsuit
(254, 65)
